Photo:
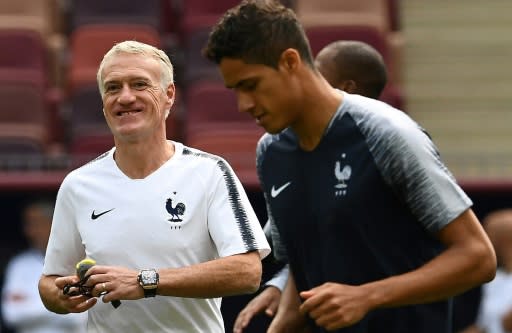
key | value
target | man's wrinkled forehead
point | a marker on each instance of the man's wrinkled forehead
(130, 65)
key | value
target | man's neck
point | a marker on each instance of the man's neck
(321, 103)
(139, 160)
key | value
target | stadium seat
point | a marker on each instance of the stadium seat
(394, 13)
(394, 96)
(26, 57)
(146, 12)
(84, 112)
(88, 133)
(40, 16)
(25, 61)
(347, 12)
(234, 142)
(23, 117)
(209, 103)
(396, 39)
(87, 148)
(89, 43)
(19, 146)
(320, 36)
(201, 14)
(44, 17)
(382, 15)
(214, 124)
(197, 67)
(172, 12)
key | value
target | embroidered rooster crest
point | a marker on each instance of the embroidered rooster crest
(342, 175)
(175, 211)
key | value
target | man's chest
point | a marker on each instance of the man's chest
(315, 183)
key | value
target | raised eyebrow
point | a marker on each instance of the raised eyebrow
(110, 83)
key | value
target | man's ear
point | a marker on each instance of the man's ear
(171, 93)
(349, 86)
(290, 59)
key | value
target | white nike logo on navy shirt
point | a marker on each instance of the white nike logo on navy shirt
(275, 192)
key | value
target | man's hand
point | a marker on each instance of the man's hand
(79, 303)
(472, 329)
(333, 305)
(506, 321)
(267, 301)
(288, 321)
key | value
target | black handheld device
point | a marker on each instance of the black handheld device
(81, 268)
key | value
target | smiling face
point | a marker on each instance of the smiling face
(269, 95)
(134, 102)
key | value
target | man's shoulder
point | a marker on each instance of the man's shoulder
(200, 158)
(284, 139)
(93, 163)
(93, 167)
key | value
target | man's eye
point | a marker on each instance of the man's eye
(140, 85)
(248, 86)
(111, 88)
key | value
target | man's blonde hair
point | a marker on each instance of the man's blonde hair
(134, 47)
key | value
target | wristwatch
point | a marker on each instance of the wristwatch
(148, 280)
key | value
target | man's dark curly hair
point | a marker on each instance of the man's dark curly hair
(257, 32)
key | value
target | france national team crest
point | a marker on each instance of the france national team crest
(175, 210)
(342, 174)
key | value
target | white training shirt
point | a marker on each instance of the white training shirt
(191, 210)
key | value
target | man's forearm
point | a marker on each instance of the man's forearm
(237, 274)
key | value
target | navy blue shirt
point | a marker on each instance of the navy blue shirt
(362, 206)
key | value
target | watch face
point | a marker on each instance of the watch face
(148, 278)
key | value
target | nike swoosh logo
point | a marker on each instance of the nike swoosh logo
(275, 192)
(95, 216)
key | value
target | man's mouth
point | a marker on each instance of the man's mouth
(127, 112)
(259, 117)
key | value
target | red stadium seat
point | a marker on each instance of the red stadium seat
(208, 103)
(320, 36)
(87, 148)
(23, 117)
(197, 67)
(234, 142)
(393, 96)
(146, 12)
(26, 57)
(347, 12)
(201, 14)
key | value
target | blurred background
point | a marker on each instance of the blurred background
(448, 69)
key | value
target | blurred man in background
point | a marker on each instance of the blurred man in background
(495, 312)
(22, 308)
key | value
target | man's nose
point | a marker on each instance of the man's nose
(245, 102)
(126, 95)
